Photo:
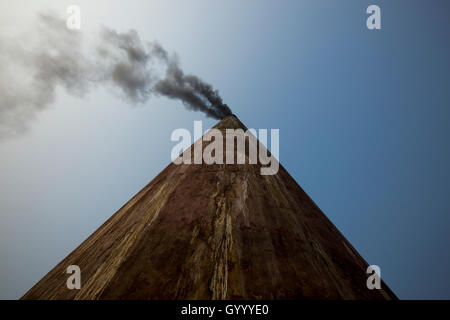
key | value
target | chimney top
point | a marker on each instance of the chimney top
(230, 122)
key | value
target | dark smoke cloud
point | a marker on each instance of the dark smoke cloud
(33, 66)
(33, 70)
(192, 91)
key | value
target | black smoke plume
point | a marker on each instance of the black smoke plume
(53, 56)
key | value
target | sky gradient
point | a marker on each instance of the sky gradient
(363, 118)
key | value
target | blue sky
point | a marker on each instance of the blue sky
(363, 118)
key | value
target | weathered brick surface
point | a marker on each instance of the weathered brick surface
(215, 232)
